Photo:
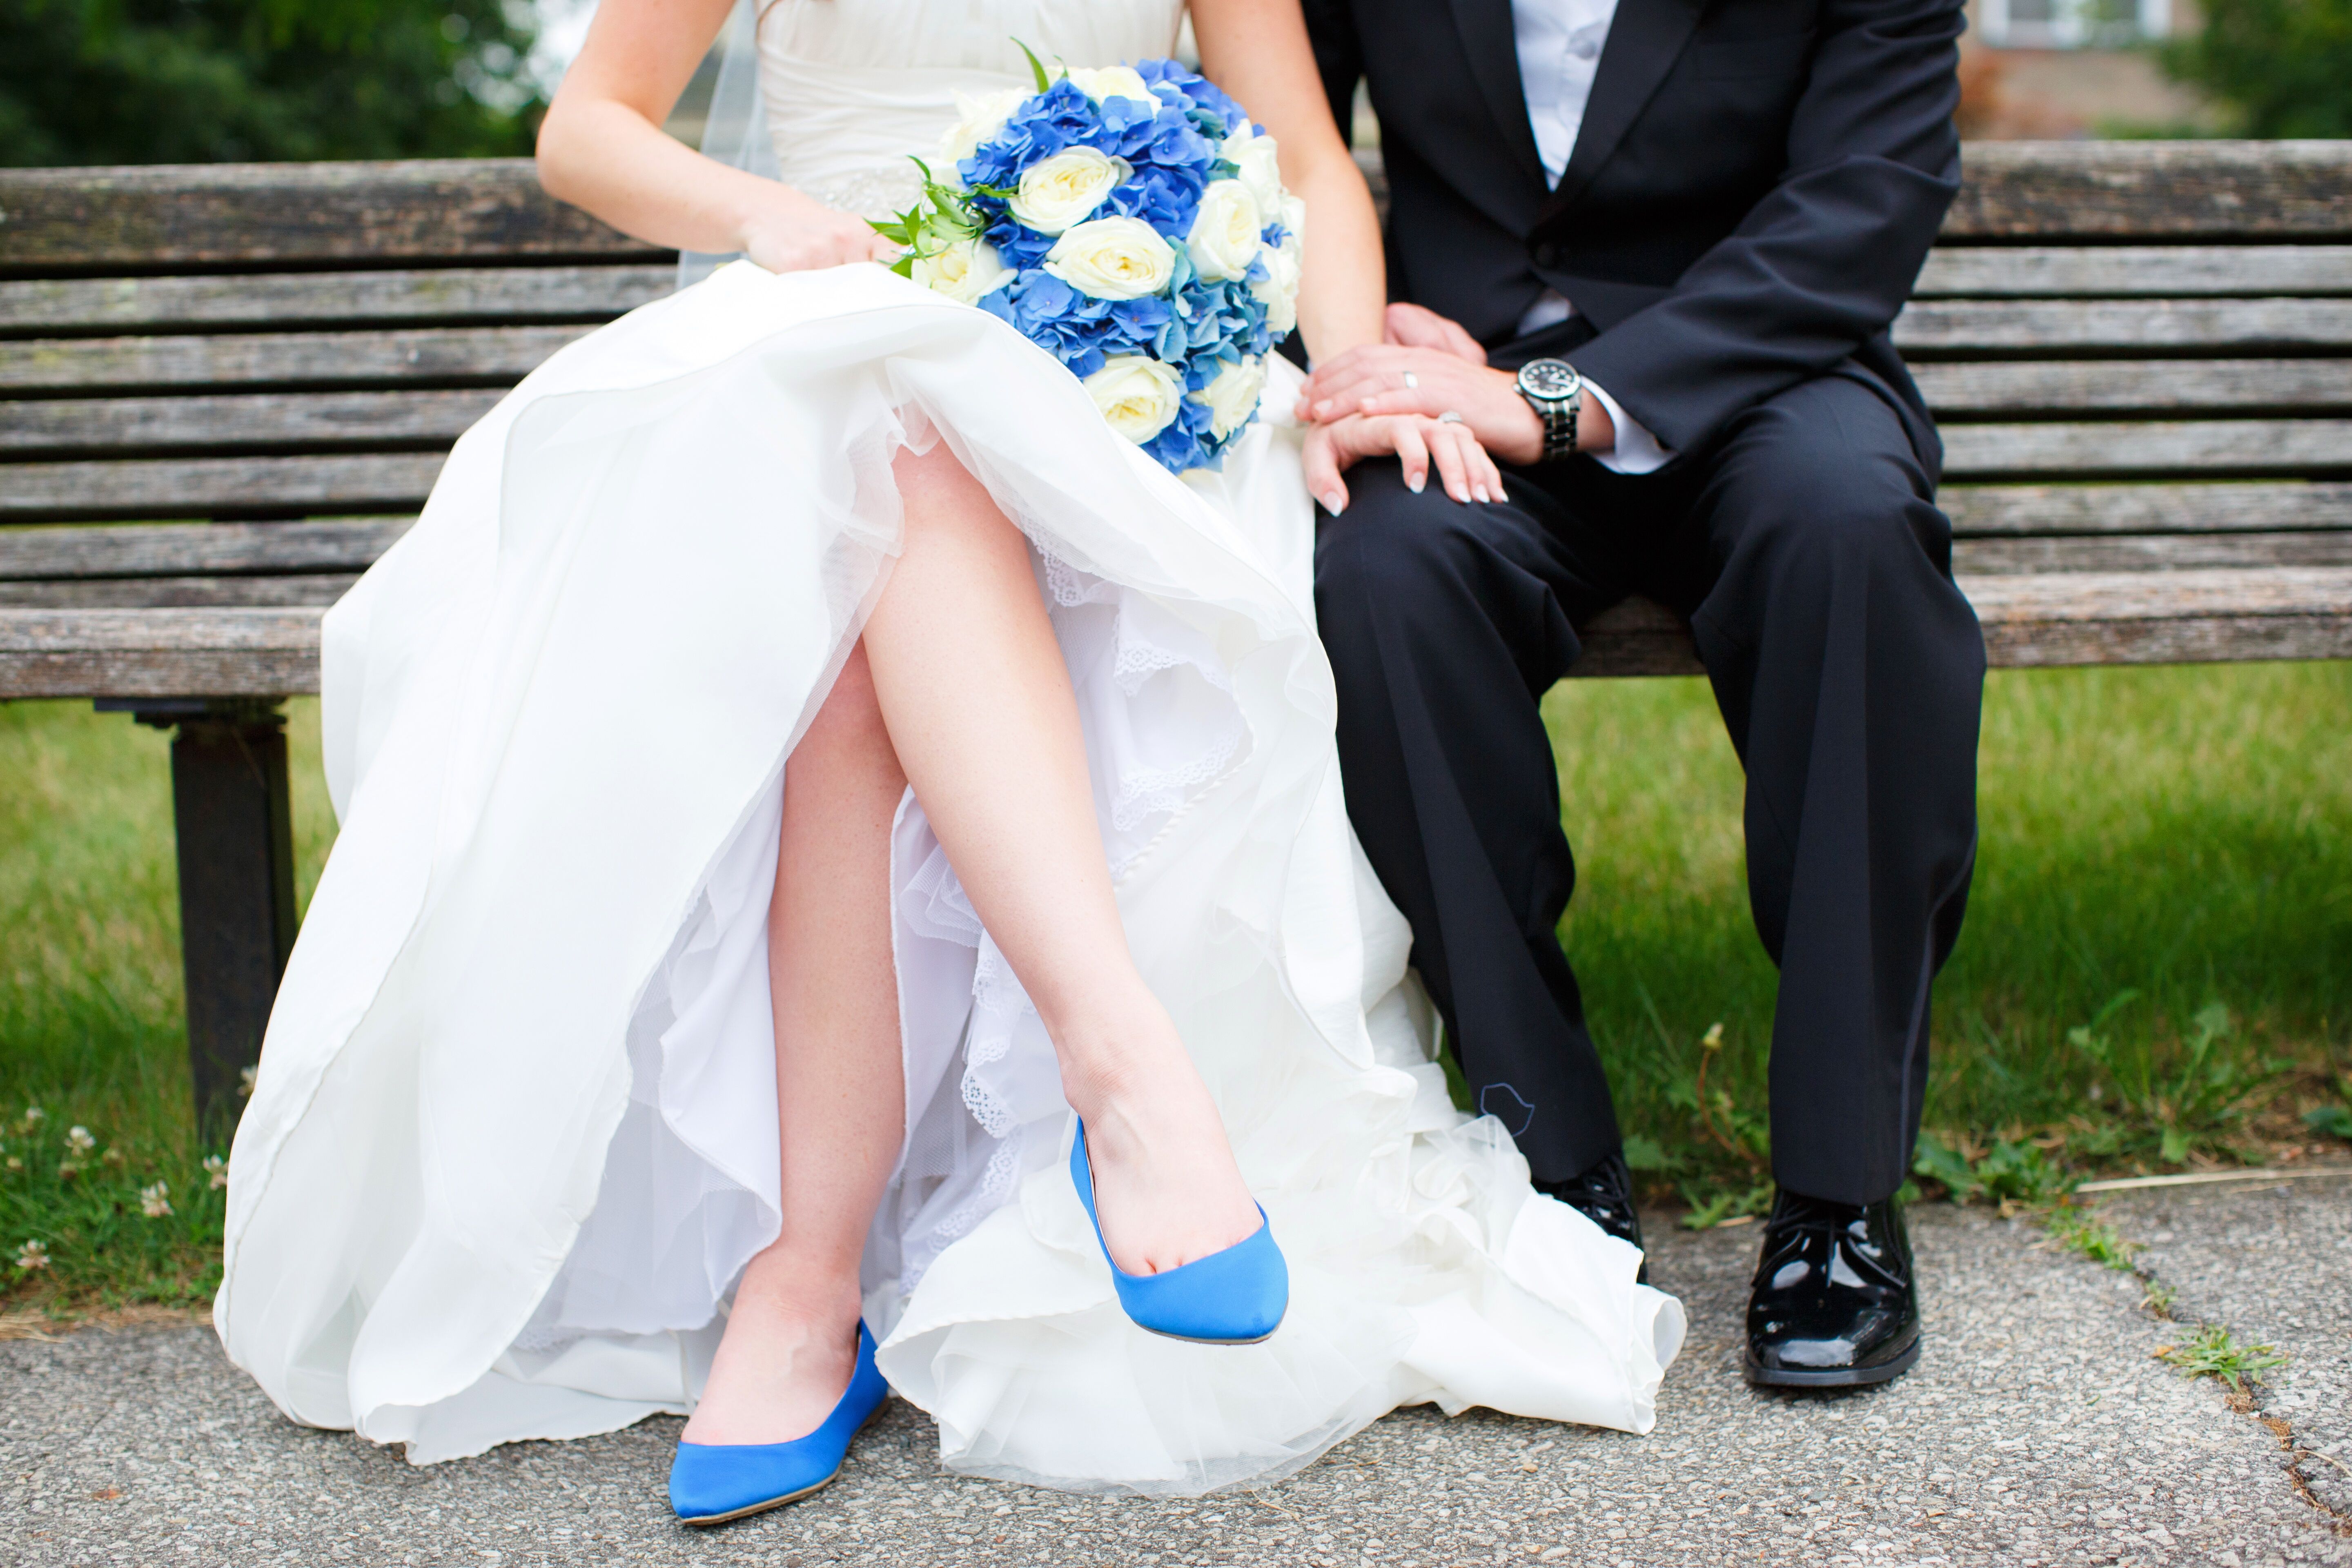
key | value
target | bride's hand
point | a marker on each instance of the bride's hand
(1464, 469)
(794, 233)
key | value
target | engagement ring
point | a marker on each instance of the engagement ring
(1449, 417)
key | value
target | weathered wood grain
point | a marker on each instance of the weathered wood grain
(503, 294)
(159, 653)
(2148, 552)
(185, 549)
(2053, 273)
(2165, 618)
(2180, 508)
(188, 215)
(1638, 636)
(2051, 329)
(164, 593)
(2035, 386)
(497, 355)
(264, 422)
(2153, 190)
(2219, 446)
(216, 486)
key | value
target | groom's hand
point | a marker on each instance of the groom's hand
(1429, 366)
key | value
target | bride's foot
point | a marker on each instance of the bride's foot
(782, 1363)
(1166, 1191)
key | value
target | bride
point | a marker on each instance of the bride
(844, 878)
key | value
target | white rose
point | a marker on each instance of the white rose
(1280, 292)
(1113, 259)
(1232, 397)
(964, 270)
(1261, 171)
(1113, 81)
(1059, 191)
(1224, 241)
(980, 119)
(1138, 396)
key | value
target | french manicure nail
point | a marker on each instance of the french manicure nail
(1416, 485)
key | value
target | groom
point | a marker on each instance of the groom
(1649, 250)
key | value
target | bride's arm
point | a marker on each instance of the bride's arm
(601, 148)
(1257, 51)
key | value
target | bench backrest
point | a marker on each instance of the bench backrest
(286, 352)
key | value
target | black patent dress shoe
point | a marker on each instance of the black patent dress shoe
(1604, 1195)
(1834, 1305)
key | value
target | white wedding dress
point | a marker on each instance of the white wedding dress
(514, 1135)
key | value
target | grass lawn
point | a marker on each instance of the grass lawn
(2180, 840)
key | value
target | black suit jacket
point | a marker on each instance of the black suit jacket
(1752, 193)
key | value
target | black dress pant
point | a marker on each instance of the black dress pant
(1807, 551)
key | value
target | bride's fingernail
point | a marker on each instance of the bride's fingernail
(1416, 483)
(1335, 503)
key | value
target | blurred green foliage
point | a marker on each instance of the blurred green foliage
(170, 82)
(2283, 67)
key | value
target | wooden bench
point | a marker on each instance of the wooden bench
(224, 390)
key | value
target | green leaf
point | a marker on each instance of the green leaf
(1646, 1155)
(2334, 1120)
(1036, 65)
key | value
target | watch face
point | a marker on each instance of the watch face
(1549, 378)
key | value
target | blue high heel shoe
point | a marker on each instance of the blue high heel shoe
(710, 1483)
(1236, 1296)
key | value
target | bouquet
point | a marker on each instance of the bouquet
(1131, 222)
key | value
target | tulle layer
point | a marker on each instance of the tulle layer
(514, 1138)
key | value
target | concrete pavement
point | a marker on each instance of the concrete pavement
(2039, 1430)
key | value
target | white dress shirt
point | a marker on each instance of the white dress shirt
(1559, 44)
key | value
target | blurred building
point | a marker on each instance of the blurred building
(2033, 69)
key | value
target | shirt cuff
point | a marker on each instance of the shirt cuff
(1636, 451)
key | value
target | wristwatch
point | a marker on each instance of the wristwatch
(1553, 390)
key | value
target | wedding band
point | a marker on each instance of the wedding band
(1450, 417)
(1411, 382)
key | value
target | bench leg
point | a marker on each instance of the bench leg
(232, 812)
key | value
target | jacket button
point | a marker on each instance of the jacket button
(1547, 254)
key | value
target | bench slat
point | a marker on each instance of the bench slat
(2165, 618)
(132, 551)
(2146, 552)
(2153, 190)
(503, 294)
(255, 422)
(195, 487)
(84, 221)
(498, 354)
(2219, 446)
(2200, 508)
(2053, 329)
(2031, 387)
(166, 593)
(159, 653)
(2095, 270)
(191, 214)
(2071, 617)
(216, 487)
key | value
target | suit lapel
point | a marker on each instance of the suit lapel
(1644, 39)
(1489, 35)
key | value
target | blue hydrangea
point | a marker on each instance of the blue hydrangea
(1170, 149)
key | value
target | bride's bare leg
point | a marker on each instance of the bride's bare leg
(972, 684)
(840, 1084)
